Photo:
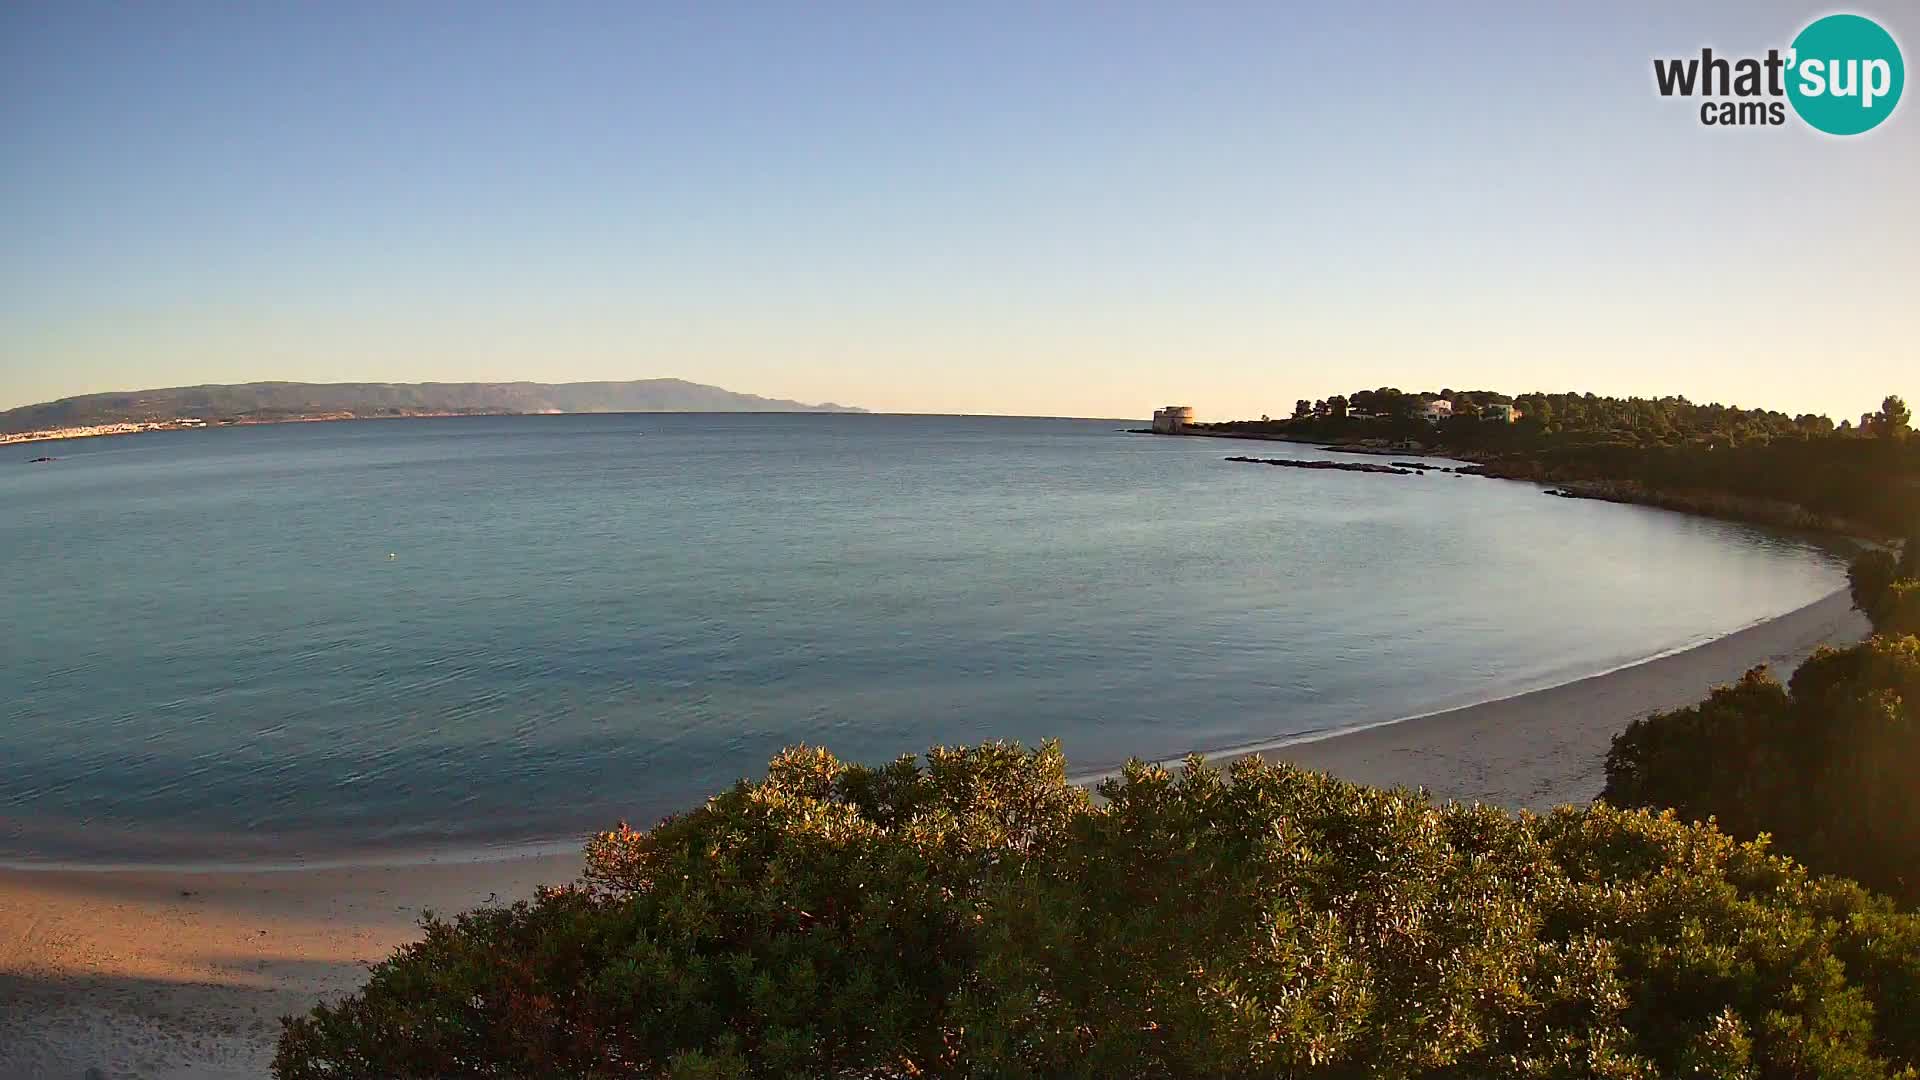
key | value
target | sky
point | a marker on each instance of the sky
(1045, 209)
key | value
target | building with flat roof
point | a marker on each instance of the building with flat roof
(1170, 420)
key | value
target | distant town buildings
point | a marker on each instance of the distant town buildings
(1170, 420)
(80, 432)
(1499, 414)
(1435, 411)
(87, 431)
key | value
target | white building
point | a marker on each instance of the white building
(1170, 420)
(1499, 414)
(1436, 410)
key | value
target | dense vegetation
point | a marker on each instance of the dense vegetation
(1888, 589)
(1826, 764)
(1749, 463)
(978, 916)
(284, 400)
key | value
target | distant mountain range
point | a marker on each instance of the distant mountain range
(269, 401)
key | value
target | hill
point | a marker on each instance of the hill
(266, 401)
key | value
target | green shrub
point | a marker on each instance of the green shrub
(1869, 577)
(1900, 611)
(1826, 765)
(979, 916)
(1888, 590)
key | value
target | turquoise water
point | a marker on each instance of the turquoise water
(312, 638)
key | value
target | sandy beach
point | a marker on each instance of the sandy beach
(1549, 747)
(167, 974)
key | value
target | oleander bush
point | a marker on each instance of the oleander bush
(976, 915)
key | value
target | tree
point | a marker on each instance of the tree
(1870, 578)
(1337, 407)
(1886, 589)
(1894, 419)
(1302, 409)
(977, 915)
(1537, 409)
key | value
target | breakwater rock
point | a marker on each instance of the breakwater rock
(1341, 466)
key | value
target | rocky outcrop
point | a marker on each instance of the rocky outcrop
(1341, 466)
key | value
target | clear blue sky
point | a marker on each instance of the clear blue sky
(1086, 209)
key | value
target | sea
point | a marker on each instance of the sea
(396, 638)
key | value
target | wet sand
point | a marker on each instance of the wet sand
(169, 974)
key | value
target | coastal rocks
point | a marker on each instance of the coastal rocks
(1376, 447)
(1341, 466)
(1775, 513)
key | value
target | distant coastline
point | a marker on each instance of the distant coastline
(94, 431)
(102, 430)
(133, 412)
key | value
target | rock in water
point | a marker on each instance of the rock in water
(1342, 466)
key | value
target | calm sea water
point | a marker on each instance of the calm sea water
(406, 634)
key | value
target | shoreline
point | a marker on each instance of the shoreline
(1279, 747)
(1665, 680)
(1720, 506)
(1545, 747)
(173, 973)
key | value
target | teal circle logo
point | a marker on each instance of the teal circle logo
(1845, 74)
